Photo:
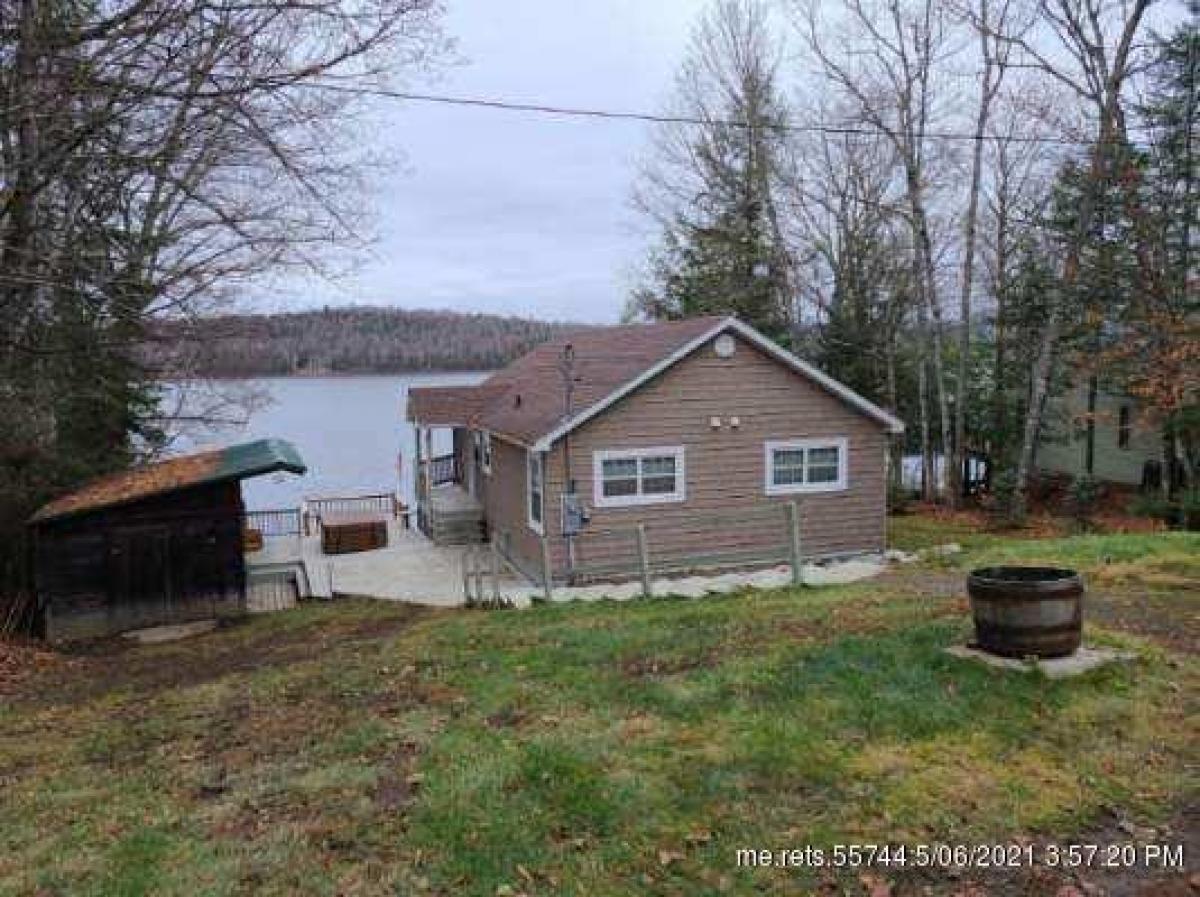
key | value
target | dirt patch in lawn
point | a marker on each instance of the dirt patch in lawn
(1170, 618)
(88, 669)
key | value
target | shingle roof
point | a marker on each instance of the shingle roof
(236, 462)
(526, 401)
(444, 406)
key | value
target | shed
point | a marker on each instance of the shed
(155, 544)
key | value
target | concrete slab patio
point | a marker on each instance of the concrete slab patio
(411, 568)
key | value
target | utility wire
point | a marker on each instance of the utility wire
(654, 118)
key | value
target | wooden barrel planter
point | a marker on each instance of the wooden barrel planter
(1027, 611)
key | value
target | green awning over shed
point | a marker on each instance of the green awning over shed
(236, 462)
(251, 459)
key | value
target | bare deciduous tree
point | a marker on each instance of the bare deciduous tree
(988, 18)
(884, 59)
(155, 159)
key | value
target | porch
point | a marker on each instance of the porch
(447, 512)
(448, 488)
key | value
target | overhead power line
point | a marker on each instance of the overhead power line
(502, 105)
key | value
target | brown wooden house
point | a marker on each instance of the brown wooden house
(700, 430)
(155, 544)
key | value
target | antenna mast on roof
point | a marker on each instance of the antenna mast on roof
(566, 367)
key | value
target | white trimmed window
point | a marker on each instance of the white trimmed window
(535, 491)
(644, 476)
(806, 465)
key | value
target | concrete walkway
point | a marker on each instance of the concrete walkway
(412, 568)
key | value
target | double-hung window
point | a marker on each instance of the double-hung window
(806, 465)
(644, 476)
(535, 491)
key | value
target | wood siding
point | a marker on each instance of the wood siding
(1063, 445)
(504, 500)
(726, 510)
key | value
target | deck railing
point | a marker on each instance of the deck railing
(387, 504)
(443, 469)
(275, 522)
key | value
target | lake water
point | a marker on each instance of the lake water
(350, 431)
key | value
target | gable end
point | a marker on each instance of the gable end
(767, 346)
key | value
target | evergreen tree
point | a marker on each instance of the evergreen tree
(713, 188)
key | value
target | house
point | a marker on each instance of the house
(700, 431)
(1104, 436)
(158, 543)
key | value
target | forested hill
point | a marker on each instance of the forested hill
(351, 340)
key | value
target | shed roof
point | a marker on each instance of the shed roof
(525, 401)
(236, 462)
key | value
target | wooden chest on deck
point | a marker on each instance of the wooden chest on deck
(344, 533)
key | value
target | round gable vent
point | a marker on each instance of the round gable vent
(724, 346)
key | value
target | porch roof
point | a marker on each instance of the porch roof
(525, 400)
(444, 406)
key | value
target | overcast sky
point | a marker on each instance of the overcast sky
(510, 213)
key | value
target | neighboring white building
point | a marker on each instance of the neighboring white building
(1122, 441)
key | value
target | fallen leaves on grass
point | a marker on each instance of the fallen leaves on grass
(21, 660)
(876, 886)
(667, 857)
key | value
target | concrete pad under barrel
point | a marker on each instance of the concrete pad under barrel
(1082, 661)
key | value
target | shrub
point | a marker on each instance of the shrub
(1183, 512)
(899, 496)
(1000, 502)
(1082, 498)
(1150, 504)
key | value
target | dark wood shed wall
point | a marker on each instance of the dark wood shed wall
(167, 559)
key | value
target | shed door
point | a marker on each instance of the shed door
(142, 575)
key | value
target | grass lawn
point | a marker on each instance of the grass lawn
(370, 748)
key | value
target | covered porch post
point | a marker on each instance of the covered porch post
(426, 479)
(445, 512)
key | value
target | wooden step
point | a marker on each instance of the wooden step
(464, 532)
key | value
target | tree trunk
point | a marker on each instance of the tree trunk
(999, 445)
(928, 469)
(20, 257)
(895, 444)
(968, 275)
(936, 331)
(1039, 387)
